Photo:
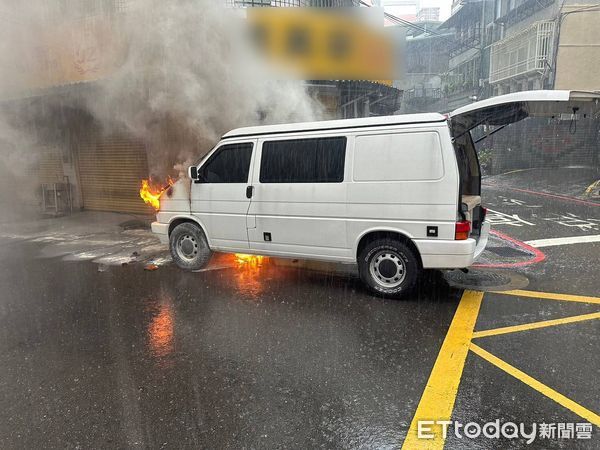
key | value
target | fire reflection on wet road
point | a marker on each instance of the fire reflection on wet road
(160, 328)
(248, 277)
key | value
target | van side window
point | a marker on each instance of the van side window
(319, 160)
(229, 164)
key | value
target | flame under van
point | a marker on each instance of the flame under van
(395, 194)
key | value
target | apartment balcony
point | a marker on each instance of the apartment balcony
(462, 44)
(524, 53)
(524, 9)
(422, 94)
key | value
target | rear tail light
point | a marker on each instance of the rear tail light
(483, 213)
(461, 230)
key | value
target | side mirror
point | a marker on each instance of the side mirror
(193, 172)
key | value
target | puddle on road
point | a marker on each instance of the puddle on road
(486, 280)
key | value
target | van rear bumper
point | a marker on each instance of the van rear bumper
(444, 254)
(161, 230)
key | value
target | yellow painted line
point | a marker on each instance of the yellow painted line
(551, 296)
(437, 401)
(591, 187)
(581, 411)
(535, 325)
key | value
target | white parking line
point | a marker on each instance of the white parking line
(564, 241)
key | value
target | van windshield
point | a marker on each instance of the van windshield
(468, 165)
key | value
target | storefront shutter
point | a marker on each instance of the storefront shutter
(110, 171)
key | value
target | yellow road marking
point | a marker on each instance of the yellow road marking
(588, 415)
(534, 325)
(551, 296)
(591, 187)
(437, 401)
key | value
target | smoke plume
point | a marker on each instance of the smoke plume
(187, 77)
(183, 74)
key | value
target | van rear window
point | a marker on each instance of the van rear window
(468, 165)
(319, 160)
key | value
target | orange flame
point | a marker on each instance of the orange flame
(253, 260)
(249, 279)
(151, 194)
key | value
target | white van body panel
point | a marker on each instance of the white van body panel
(174, 205)
(421, 192)
(401, 175)
(388, 157)
(304, 219)
(164, 220)
(343, 124)
(326, 220)
(222, 208)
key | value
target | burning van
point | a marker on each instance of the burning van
(395, 194)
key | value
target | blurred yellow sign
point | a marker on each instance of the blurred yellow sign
(322, 44)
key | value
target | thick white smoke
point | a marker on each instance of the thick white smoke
(189, 75)
(185, 74)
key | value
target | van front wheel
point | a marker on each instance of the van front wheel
(388, 267)
(189, 247)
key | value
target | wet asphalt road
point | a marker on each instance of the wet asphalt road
(228, 358)
(563, 357)
(272, 356)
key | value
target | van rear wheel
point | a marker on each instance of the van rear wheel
(189, 247)
(388, 267)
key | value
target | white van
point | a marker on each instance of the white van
(394, 194)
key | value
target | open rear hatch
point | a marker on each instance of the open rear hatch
(499, 112)
(511, 108)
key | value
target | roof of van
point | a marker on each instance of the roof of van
(402, 119)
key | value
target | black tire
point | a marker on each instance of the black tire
(189, 247)
(388, 267)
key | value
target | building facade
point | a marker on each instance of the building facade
(427, 60)
(293, 3)
(505, 46)
(468, 52)
(546, 44)
(428, 14)
(44, 89)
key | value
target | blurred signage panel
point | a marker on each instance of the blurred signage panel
(326, 44)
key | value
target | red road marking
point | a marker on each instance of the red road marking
(545, 194)
(539, 256)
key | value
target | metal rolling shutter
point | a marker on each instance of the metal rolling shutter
(110, 172)
(50, 166)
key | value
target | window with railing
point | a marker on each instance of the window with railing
(419, 92)
(525, 52)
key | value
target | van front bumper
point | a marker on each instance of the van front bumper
(161, 230)
(444, 254)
